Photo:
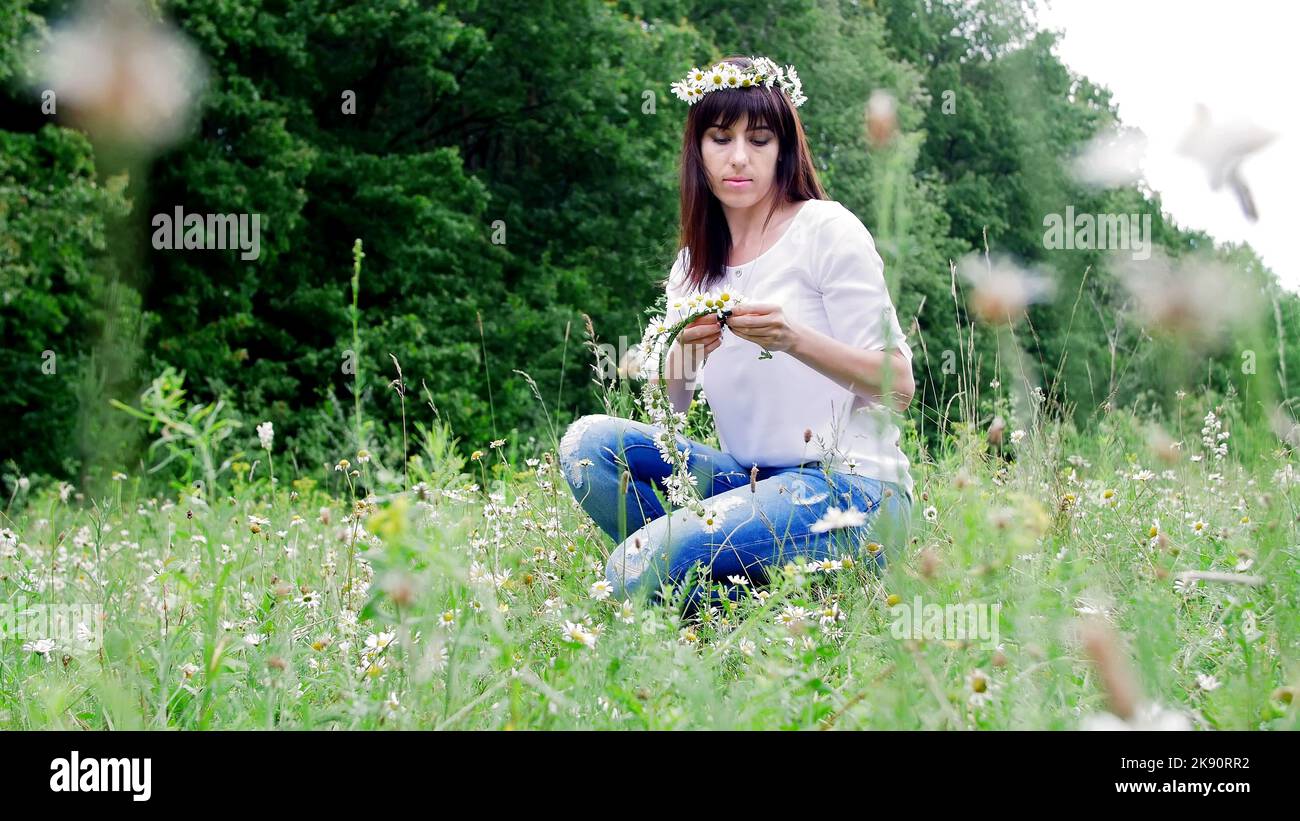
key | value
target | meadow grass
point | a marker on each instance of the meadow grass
(468, 601)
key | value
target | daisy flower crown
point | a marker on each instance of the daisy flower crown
(722, 76)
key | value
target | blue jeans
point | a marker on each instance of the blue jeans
(750, 531)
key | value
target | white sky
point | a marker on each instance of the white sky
(1159, 58)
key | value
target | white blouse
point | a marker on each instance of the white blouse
(825, 273)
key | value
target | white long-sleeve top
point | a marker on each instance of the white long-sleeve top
(825, 273)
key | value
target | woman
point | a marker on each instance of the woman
(810, 463)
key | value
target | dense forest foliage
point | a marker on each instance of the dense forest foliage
(511, 167)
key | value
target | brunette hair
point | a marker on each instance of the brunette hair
(704, 232)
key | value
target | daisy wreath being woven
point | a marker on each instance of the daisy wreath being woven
(776, 304)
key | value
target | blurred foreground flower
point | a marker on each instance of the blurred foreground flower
(882, 118)
(1196, 298)
(1146, 717)
(1220, 148)
(835, 519)
(125, 78)
(1003, 290)
(1285, 426)
(1127, 710)
(1111, 159)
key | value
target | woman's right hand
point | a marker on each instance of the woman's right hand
(697, 340)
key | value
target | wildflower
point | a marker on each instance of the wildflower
(579, 634)
(1109, 497)
(447, 619)
(1207, 682)
(996, 428)
(792, 616)
(1092, 607)
(1185, 585)
(881, 118)
(266, 435)
(746, 647)
(931, 514)
(1146, 717)
(626, 612)
(688, 635)
(1016, 436)
(42, 646)
(601, 590)
(1188, 296)
(378, 642)
(189, 669)
(835, 519)
(1248, 628)
(980, 689)
(1003, 290)
(127, 79)
(254, 639)
(343, 465)
(497, 443)
(363, 456)
(118, 476)
(831, 614)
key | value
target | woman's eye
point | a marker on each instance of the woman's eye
(761, 143)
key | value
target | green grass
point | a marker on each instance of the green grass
(365, 615)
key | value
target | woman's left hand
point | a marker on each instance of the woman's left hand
(764, 324)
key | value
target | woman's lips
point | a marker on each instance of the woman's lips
(736, 183)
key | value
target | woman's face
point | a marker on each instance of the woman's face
(740, 164)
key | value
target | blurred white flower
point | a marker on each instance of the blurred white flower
(42, 646)
(1147, 717)
(124, 77)
(1220, 148)
(1003, 289)
(835, 519)
(1207, 682)
(1195, 298)
(266, 434)
(1111, 159)
(882, 118)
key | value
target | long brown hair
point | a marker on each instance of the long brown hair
(704, 231)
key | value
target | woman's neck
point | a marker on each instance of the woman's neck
(748, 234)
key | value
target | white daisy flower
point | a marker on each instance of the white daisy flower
(601, 590)
(835, 519)
(579, 634)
